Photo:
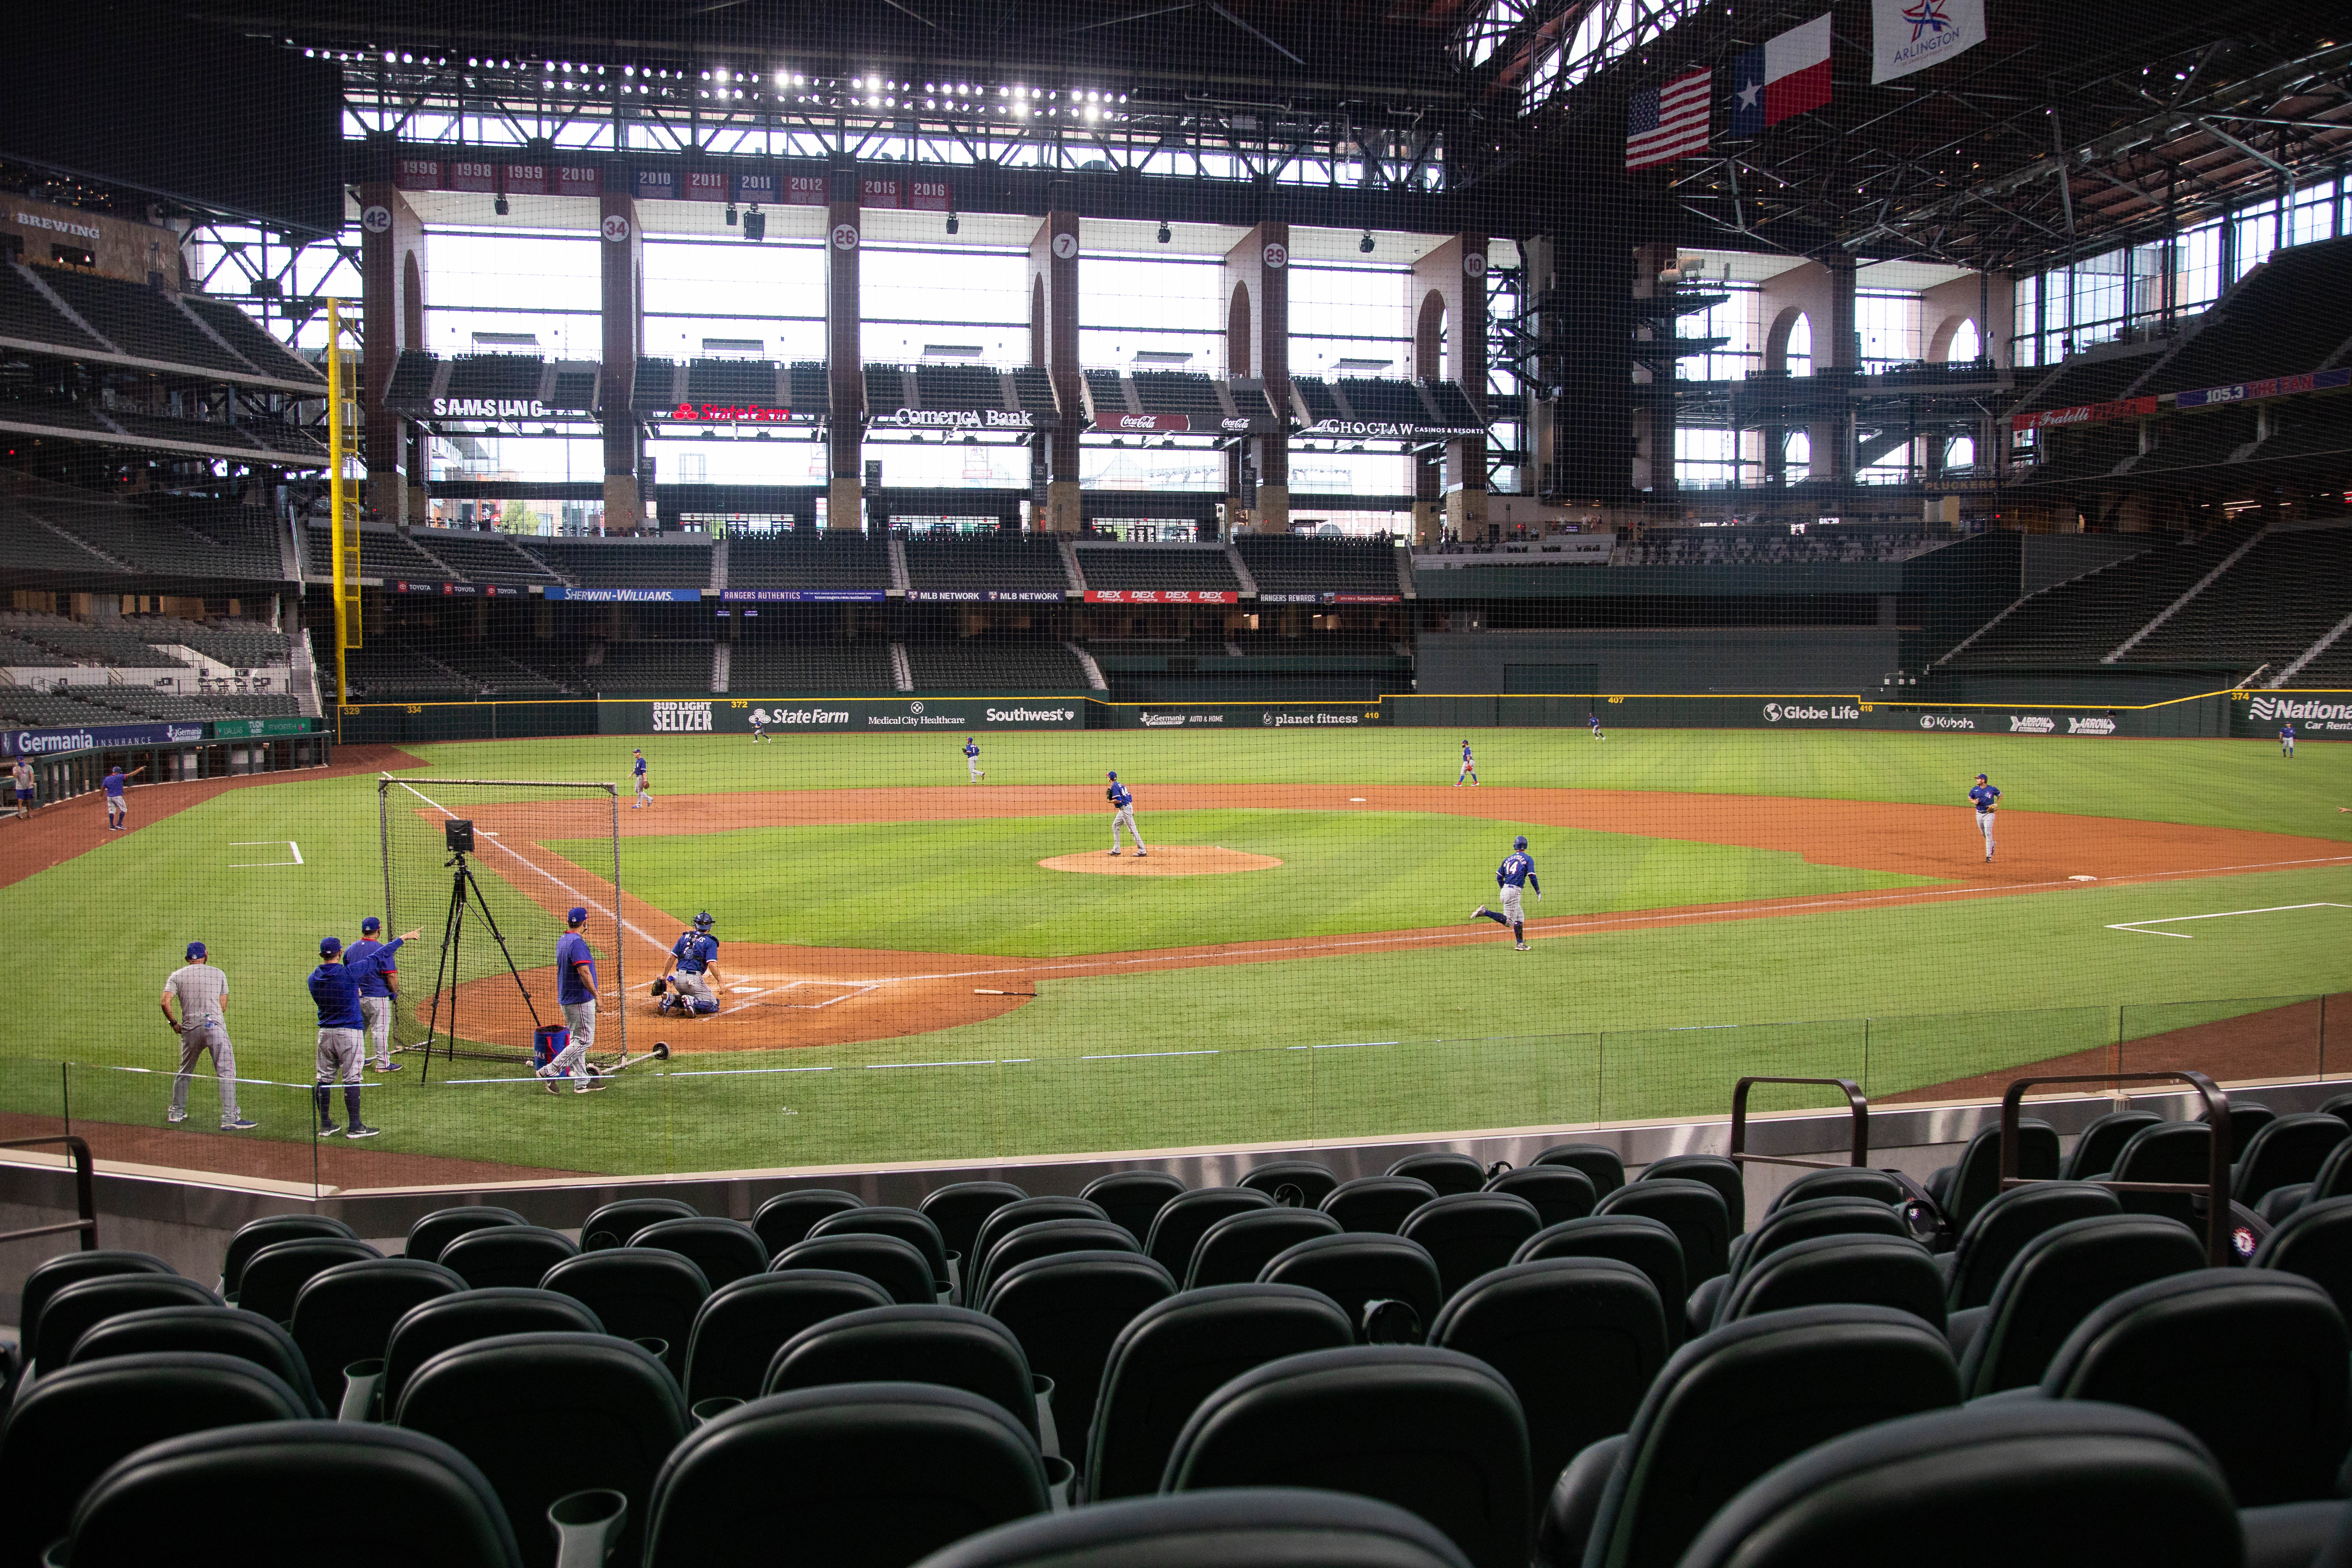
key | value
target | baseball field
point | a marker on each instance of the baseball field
(917, 967)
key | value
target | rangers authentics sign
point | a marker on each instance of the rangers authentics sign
(804, 595)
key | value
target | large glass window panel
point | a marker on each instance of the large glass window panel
(918, 298)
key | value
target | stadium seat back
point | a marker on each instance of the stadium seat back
(908, 1226)
(613, 1223)
(1131, 1198)
(1447, 1171)
(1357, 1267)
(858, 1475)
(2316, 1242)
(1237, 1248)
(1852, 1182)
(2056, 1281)
(516, 1256)
(2272, 1406)
(1787, 1224)
(1433, 1431)
(1734, 1403)
(1840, 1267)
(2247, 1120)
(425, 1503)
(1467, 1234)
(743, 1324)
(64, 1431)
(547, 1414)
(1603, 1165)
(275, 1275)
(2289, 1149)
(1693, 1210)
(1313, 1181)
(1175, 1353)
(1376, 1204)
(951, 1346)
(725, 1250)
(2167, 1151)
(1580, 1341)
(1557, 1192)
(2079, 1482)
(1177, 1228)
(437, 1230)
(73, 1311)
(637, 1293)
(2002, 1227)
(1235, 1527)
(1004, 1221)
(1649, 1245)
(1722, 1174)
(1067, 1310)
(891, 1263)
(346, 1313)
(2095, 1150)
(439, 1322)
(1976, 1178)
(206, 1330)
(47, 1278)
(254, 1234)
(788, 1217)
(1047, 1237)
(957, 1209)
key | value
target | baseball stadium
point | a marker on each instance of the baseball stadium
(1517, 693)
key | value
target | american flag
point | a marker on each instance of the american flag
(1664, 123)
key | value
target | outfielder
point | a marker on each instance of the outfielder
(691, 973)
(1594, 720)
(2286, 740)
(1987, 800)
(575, 991)
(118, 811)
(370, 959)
(645, 797)
(758, 733)
(1122, 815)
(202, 992)
(1516, 872)
(1469, 768)
(971, 758)
(336, 990)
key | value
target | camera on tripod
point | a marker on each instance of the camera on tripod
(458, 836)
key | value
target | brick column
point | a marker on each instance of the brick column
(621, 297)
(1054, 345)
(391, 306)
(1257, 300)
(845, 357)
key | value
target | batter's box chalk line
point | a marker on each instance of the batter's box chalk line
(264, 843)
(2134, 926)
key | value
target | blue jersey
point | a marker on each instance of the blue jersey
(1517, 871)
(114, 783)
(971, 748)
(370, 961)
(696, 951)
(2286, 732)
(571, 950)
(1119, 796)
(1466, 753)
(336, 990)
(640, 769)
(1986, 797)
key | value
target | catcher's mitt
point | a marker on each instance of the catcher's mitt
(659, 986)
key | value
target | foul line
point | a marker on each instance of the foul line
(2133, 926)
(619, 919)
(258, 843)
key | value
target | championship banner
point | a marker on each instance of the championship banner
(1906, 36)
(1162, 596)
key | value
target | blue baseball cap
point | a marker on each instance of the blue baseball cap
(576, 915)
(1114, 775)
(195, 951)
(329, 945)
(369, 925)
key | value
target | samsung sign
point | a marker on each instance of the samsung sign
(494, 408)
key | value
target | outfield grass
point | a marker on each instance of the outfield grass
(1607, 1023)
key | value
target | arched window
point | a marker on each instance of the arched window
(1800, 346)
(1966, 345)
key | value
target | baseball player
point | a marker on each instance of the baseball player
(22, 773)
(760, 735)
(692, 972)
(645, 797)
(118, 813)
(202, 992)
(2286, 740)
(1986, 799)
(1469, 767)
(370, 959)
(971, 758)
(1122, 815)
(1516, 872)
(575, 991)
(1594, 720)
(336, 990)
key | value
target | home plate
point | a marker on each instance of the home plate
(744, 990)
(1355, 800)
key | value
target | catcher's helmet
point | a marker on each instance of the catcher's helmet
(1520, 842)
(702, 921)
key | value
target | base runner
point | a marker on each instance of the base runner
(1516, 872)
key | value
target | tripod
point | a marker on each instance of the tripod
(453, 933)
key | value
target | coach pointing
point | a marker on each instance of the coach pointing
(575, 991)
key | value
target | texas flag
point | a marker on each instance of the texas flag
(1788, 75)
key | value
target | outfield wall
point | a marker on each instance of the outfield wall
(1766, 659)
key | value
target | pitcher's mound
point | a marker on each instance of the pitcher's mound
(1168, 861)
